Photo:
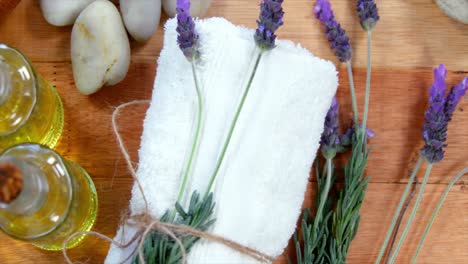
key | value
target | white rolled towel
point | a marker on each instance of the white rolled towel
(260, 187)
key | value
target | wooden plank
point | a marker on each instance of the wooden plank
(412, 33)
(407, 44)
(445, 244)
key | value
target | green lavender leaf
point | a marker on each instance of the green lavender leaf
(341, 216)
(346, 216)
(313, 248)
(159, 248)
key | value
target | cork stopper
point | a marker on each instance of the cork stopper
(11, 182)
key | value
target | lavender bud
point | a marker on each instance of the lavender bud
(368, 14)
(270, 19)
(330, 138)
(188, 37)
(453, 98)
(346, 140)
(335, 33)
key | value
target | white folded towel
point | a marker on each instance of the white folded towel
(260, 188)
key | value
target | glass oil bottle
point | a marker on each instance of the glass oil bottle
(44, 198)
(30, 108)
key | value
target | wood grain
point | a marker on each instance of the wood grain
(412, 37)
(398, 103)
(411, 33)
(446, 243)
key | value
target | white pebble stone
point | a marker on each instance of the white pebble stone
(100, 49)
(141, 17)
(456, 9)
(63, 12)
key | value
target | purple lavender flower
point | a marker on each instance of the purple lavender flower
(331, 141)
(271, 18)
(368, 14)
(347, 138)
(188, 37)
(439, 114)
(336, 35)
(330, 138)
(453, 98)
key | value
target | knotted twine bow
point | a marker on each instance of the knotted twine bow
(147, 224)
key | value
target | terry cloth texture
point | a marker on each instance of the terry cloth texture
(260, 187)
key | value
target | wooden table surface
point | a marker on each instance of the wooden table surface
(412, 37)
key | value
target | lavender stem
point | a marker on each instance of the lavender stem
(436, 211)
(323, 196)
(233, 124)
(195, 142)
(196, 139)
(398, 210)
(353, 94)
(413, 213)
(400, 219)
(368, 84)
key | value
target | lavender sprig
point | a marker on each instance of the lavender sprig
(336, 34)
(158, 247)
(329, 141)
(315, 229)
(339, 41)
(188, 37)
(437, 118)
(328, 235)
(270, 19)
(368, 14)
(345, 217)
(188, 42)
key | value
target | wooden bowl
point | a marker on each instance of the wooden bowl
(7, 5)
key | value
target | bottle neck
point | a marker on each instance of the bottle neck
(5, 81)
(33, 191)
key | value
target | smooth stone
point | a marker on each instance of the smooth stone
(456, 9)
(100, 49)
(141, 17)
(63, 12)
(198, 8)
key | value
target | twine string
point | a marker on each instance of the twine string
(122, 147)
(101, 236)
(146, 224)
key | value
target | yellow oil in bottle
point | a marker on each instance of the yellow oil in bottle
(30, 108)
(57, 200)
(81, 216)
